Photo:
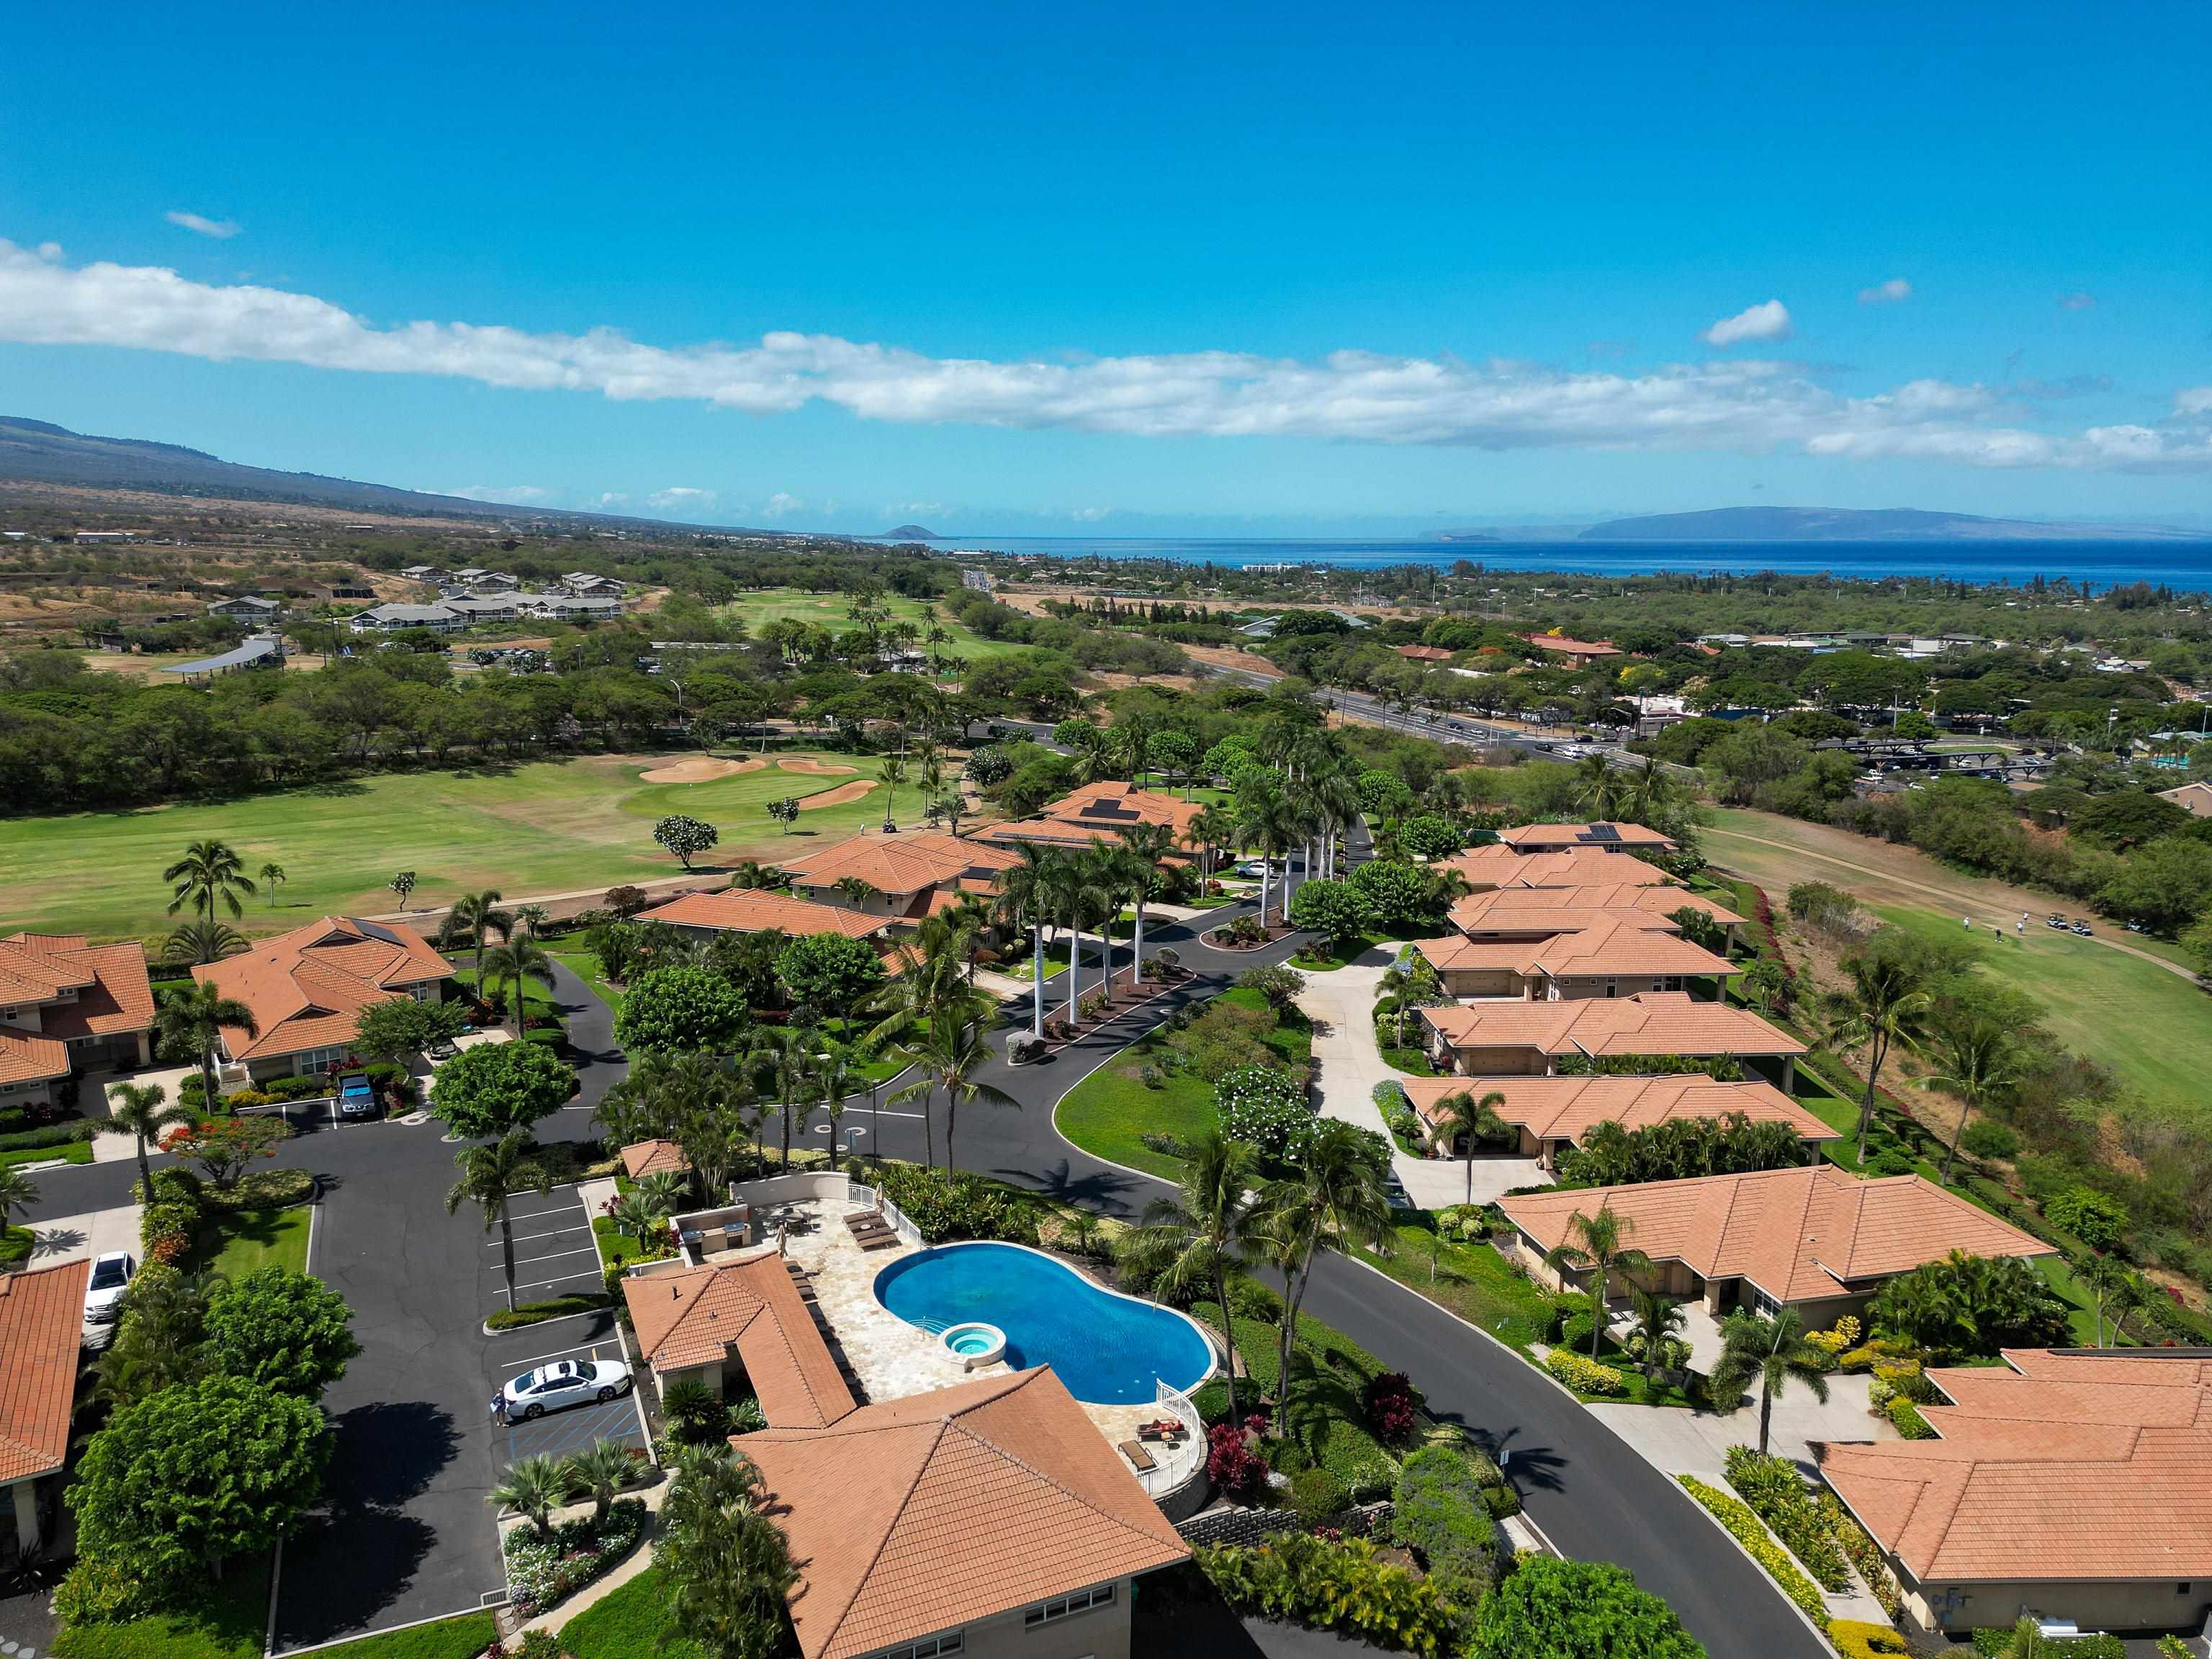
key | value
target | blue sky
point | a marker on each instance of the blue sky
(1277, 270)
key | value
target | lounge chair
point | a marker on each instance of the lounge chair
(886, 1240)
(860, 1219)
(1140, 1459)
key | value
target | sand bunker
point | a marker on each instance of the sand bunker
(839, 796)
(701, 770)
(815, 769)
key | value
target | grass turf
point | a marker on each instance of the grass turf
(632, 1622)
(462, 1636)
(827, 611)
(1327, 1418)
(234, 1241)
(547, 827)
(585, 964)
(1108, 1110)
(226, 1622)
(71, 1151)
(1471, 1280)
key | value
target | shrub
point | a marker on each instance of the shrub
(1264, 1108)
(2098, 1219)
(1232, 1463)
(945, 1206)
(1778, 1496)
(1855, 1639)
(1861, 1549)
(1389, 1404)
(1999, 1644)
(1279, 986)
(1584, 1375)
(101, 1593)
(1316, 1495)
(1892, 1161)
(260, 1189)
(166, 1230)
(536, 1313)
(1343, 1586)
(1440, 1510)
(1155, 1140)
(1987, 1137)
(1551, 1609)
(541, 1571)
(1743, 1525)
(1841, 1335)
(1908, 1421)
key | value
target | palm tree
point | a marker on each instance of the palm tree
(1026, 897)
(1458, 1116)
(1213, 829)
(1268, 820)
(488, 1175)
(272, 877)
(1651, 790)
(1659, 1320)
(474, 916)
(1598, 1242)
(727, 1566)
(1145, 846)
(1340, 1197)
(1883, 1007)
(893, 774)
(1110, 875)
(1338, 793)
(787, 1055)
(198, 1019)
(637, 1216)
(951, 1052)
(514, 959)
(143, 1110)
(602, 1469)
(2111, 1288)
(1598, 787)
(1771, 1352)
(533, 1489)
(531, 920)
(208, 871)
(201, 940)
(1978, 1060)
(1199, 1238)
(1411, 979)
(18, 1192)
(855, 890)
(1076, 893)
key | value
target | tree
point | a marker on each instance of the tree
(210, 872)
(1768, 1353)
(680, 1009)
(1026, 898)
(516, 961)
(1429, 836)
(829, 970)
(1883, 1006)
(1969, 1305)
(404, 885)
(727, 1566)
(1598, 1242)
(1175, 753)
(950, 1053)
(285, 1330)
(1338, 1197)
(1267, 819)
(191, 1476)
(159, 1337)
(197, 1021)
(1332, 908)
(1202, 1236)
(223, 1146)
(891, 771)
(393, 1030)
(1979, 1060)
(142, 1111)
(1459, 1118)
(533, 1489)
(200, 940)
(602, 1469)
(785, 812)
(272, 877)
(497, 1087)
(473, 918)
(1576, 1610)
(18, 1192)
(988, 766)
(1145, 847)
(488, 1175)
(1659, 1320)
(787, 1059)
(2098, 1219)
(1396, 895)
(1410, 981)
(685, 836)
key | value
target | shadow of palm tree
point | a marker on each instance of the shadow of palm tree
(54, 1241)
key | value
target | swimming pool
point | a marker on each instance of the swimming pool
(1109, 1349)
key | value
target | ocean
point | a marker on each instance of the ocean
(2183, 565)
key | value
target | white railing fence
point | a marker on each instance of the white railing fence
(1175, 1464)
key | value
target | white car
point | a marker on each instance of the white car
(103, 1293)
(568, 1382)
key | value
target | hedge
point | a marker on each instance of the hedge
(1855, 1639)
(49, 1135)
(1744, 1526)
(1778, 1496)
(1908, 1420)
(536, 1313)
(1343, 1586)
(1584, 1375)
(1995, 1644)
(1439, 1512)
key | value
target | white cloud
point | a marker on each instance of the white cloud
(1745, 404)
(1893, 292)
(520, 494)
(2193, 400)
(681, 498)
(1090, 515)
(780, 504)
(50, 252)
(221, 229)
(913, 509)
(1770, 321)
(2077, 302)
(614, 498)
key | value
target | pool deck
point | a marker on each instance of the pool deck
(891, 1358)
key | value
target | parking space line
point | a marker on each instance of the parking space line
(533, 1261)
(587, 1350)
(550, 1232)
(584, 1277)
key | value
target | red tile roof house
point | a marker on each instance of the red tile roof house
(1556, 1112)
(306, 989)
(1498, 866)
(1607, 837)
(1618, 954)
(751, 911)
(1538, 912)
(1816, 1239)
(1424, 653)
(1529, 1039)
(1097, 811)
(41, 1325)
(1579, 652)
(910, 875)
(2074, 1483)
(66, 1006)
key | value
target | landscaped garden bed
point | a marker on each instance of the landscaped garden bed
(544, 1569)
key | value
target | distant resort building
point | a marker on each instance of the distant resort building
(902, 876)
(1529, 1039)
(1097, 811)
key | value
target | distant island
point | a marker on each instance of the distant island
(1458, 536)
(911, 532)
(1839, 524)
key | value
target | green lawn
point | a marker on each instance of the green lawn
(537, 1002)
(1327, 1420)
(827, 611)
(15, 1245)
(234, 1241)
(1471, 1280)
(633, 1622)
(73, 1152)
(227, 1623)
(462, 1636)
(547, 827)
(1110, 1108)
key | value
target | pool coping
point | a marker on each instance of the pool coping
(1205, 1336)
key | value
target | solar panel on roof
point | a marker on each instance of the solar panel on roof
(1602, 832)
(376, 930)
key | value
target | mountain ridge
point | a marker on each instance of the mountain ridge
(1840, 523)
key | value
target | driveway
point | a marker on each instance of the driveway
(1678, 1442)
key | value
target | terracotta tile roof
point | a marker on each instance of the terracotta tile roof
(1796, 1234)
(113, 993)
(41, 1324)
(306, 988)
(2068, 1467)
(2195, 798)
(1567, 647)
(1499, 865)
(1555, 910)
(646, 1158)
(923, 1515)
(698, 1316)
(29, 1057)
(1648, 1023)
(1546, 837)
(901, 864)
(1612, 945)
(1101, 809)
(749, 910)
(1568, 1108)
(1424, 653)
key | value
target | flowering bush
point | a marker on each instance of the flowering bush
(542, 1571)
(1389, 1404)
(1843, 1335)
(1584, 1375)
(1233, 1462)
(166, 1230)
(1263, 1106)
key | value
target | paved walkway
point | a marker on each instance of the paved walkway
(1342, 1005)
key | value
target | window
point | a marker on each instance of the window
(933, 1648)
(1068, 1607)
(1613, 987)
(1674, 982)
(1761, 1303)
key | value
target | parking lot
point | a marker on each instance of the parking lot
(553, 1251)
